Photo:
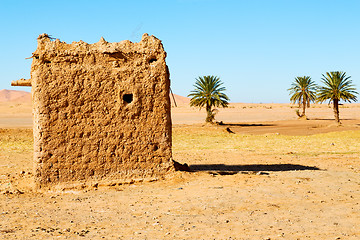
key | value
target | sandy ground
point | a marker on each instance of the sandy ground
(247, 112)
(15, 115)
(275, 177)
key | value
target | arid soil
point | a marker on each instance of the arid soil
(275, 177)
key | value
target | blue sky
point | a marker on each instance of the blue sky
(256, 47)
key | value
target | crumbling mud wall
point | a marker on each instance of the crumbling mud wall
(101, 111)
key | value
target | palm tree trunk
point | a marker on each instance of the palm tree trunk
(209, 113)
(336, 110)
(304, 107)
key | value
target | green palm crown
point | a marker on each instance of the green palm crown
(303, 91)
(337, 87)
(208, 93)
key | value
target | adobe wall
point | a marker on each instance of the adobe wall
(101, 111)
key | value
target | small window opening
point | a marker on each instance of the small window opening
(128, 98)
(152, 60)
(156, 147)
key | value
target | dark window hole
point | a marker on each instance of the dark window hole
(152, 60)
(128, 98)
(156, 147)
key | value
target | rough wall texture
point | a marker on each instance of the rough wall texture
(101, 111)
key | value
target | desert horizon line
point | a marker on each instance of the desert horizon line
(324, 103)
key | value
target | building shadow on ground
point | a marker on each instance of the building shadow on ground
(246, 124)
(223, 169)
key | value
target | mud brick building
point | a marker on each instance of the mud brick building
(101, 111)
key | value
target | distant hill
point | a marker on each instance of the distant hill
(180, 100)
(14, 96)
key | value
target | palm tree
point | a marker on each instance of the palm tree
(337, 87)
(208, 93)
(303, 91)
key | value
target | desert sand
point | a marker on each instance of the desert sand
(274, 177)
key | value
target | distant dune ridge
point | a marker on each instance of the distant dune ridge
(14, 96)
(180, 100)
